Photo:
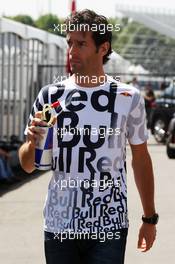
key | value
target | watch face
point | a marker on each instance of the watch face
(151, 220)
(155, 219)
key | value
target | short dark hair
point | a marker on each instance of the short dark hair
(90, 18)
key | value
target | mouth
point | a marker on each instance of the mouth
(74, 62)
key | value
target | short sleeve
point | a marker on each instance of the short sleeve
(137, 132)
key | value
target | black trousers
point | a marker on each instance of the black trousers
(85, 251)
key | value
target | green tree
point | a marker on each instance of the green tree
(49, 23)
(25, 19)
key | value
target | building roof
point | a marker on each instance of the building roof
(151, 42)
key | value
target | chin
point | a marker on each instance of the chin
(73, 68)
(75, 71)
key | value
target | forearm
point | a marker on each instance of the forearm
(143, 173)
(27, 156)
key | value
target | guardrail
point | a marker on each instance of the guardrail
(22, 50)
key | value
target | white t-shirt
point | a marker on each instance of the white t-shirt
(88, 192)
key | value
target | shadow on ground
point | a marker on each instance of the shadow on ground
(20, 178)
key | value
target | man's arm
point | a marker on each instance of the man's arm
(27, 156)
(143, 173)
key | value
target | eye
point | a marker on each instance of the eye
(81, 43)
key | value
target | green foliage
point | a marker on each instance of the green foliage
(48, 22)
(25, 19)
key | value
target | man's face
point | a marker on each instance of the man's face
(83, 54)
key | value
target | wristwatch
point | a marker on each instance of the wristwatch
(151, 220)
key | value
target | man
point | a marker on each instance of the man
(86, 206)
(135, 83)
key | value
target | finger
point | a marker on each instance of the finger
(37, 119)
(38, 122)
(36, 130)
(33, 137)
(143, 244)
(146, 248)
(35, 133)
(140, 240)
(39, 114)
(146, 245)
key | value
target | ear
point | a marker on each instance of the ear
(104, 48)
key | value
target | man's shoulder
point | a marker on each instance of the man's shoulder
(124, 87)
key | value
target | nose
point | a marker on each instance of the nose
(72, 50)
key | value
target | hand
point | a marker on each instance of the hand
(35, 131)
(147, 235)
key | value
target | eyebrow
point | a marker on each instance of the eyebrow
(79, 41)
(82, 41)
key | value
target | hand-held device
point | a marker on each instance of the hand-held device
(43, 149)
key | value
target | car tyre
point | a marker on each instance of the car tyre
(170, 152)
